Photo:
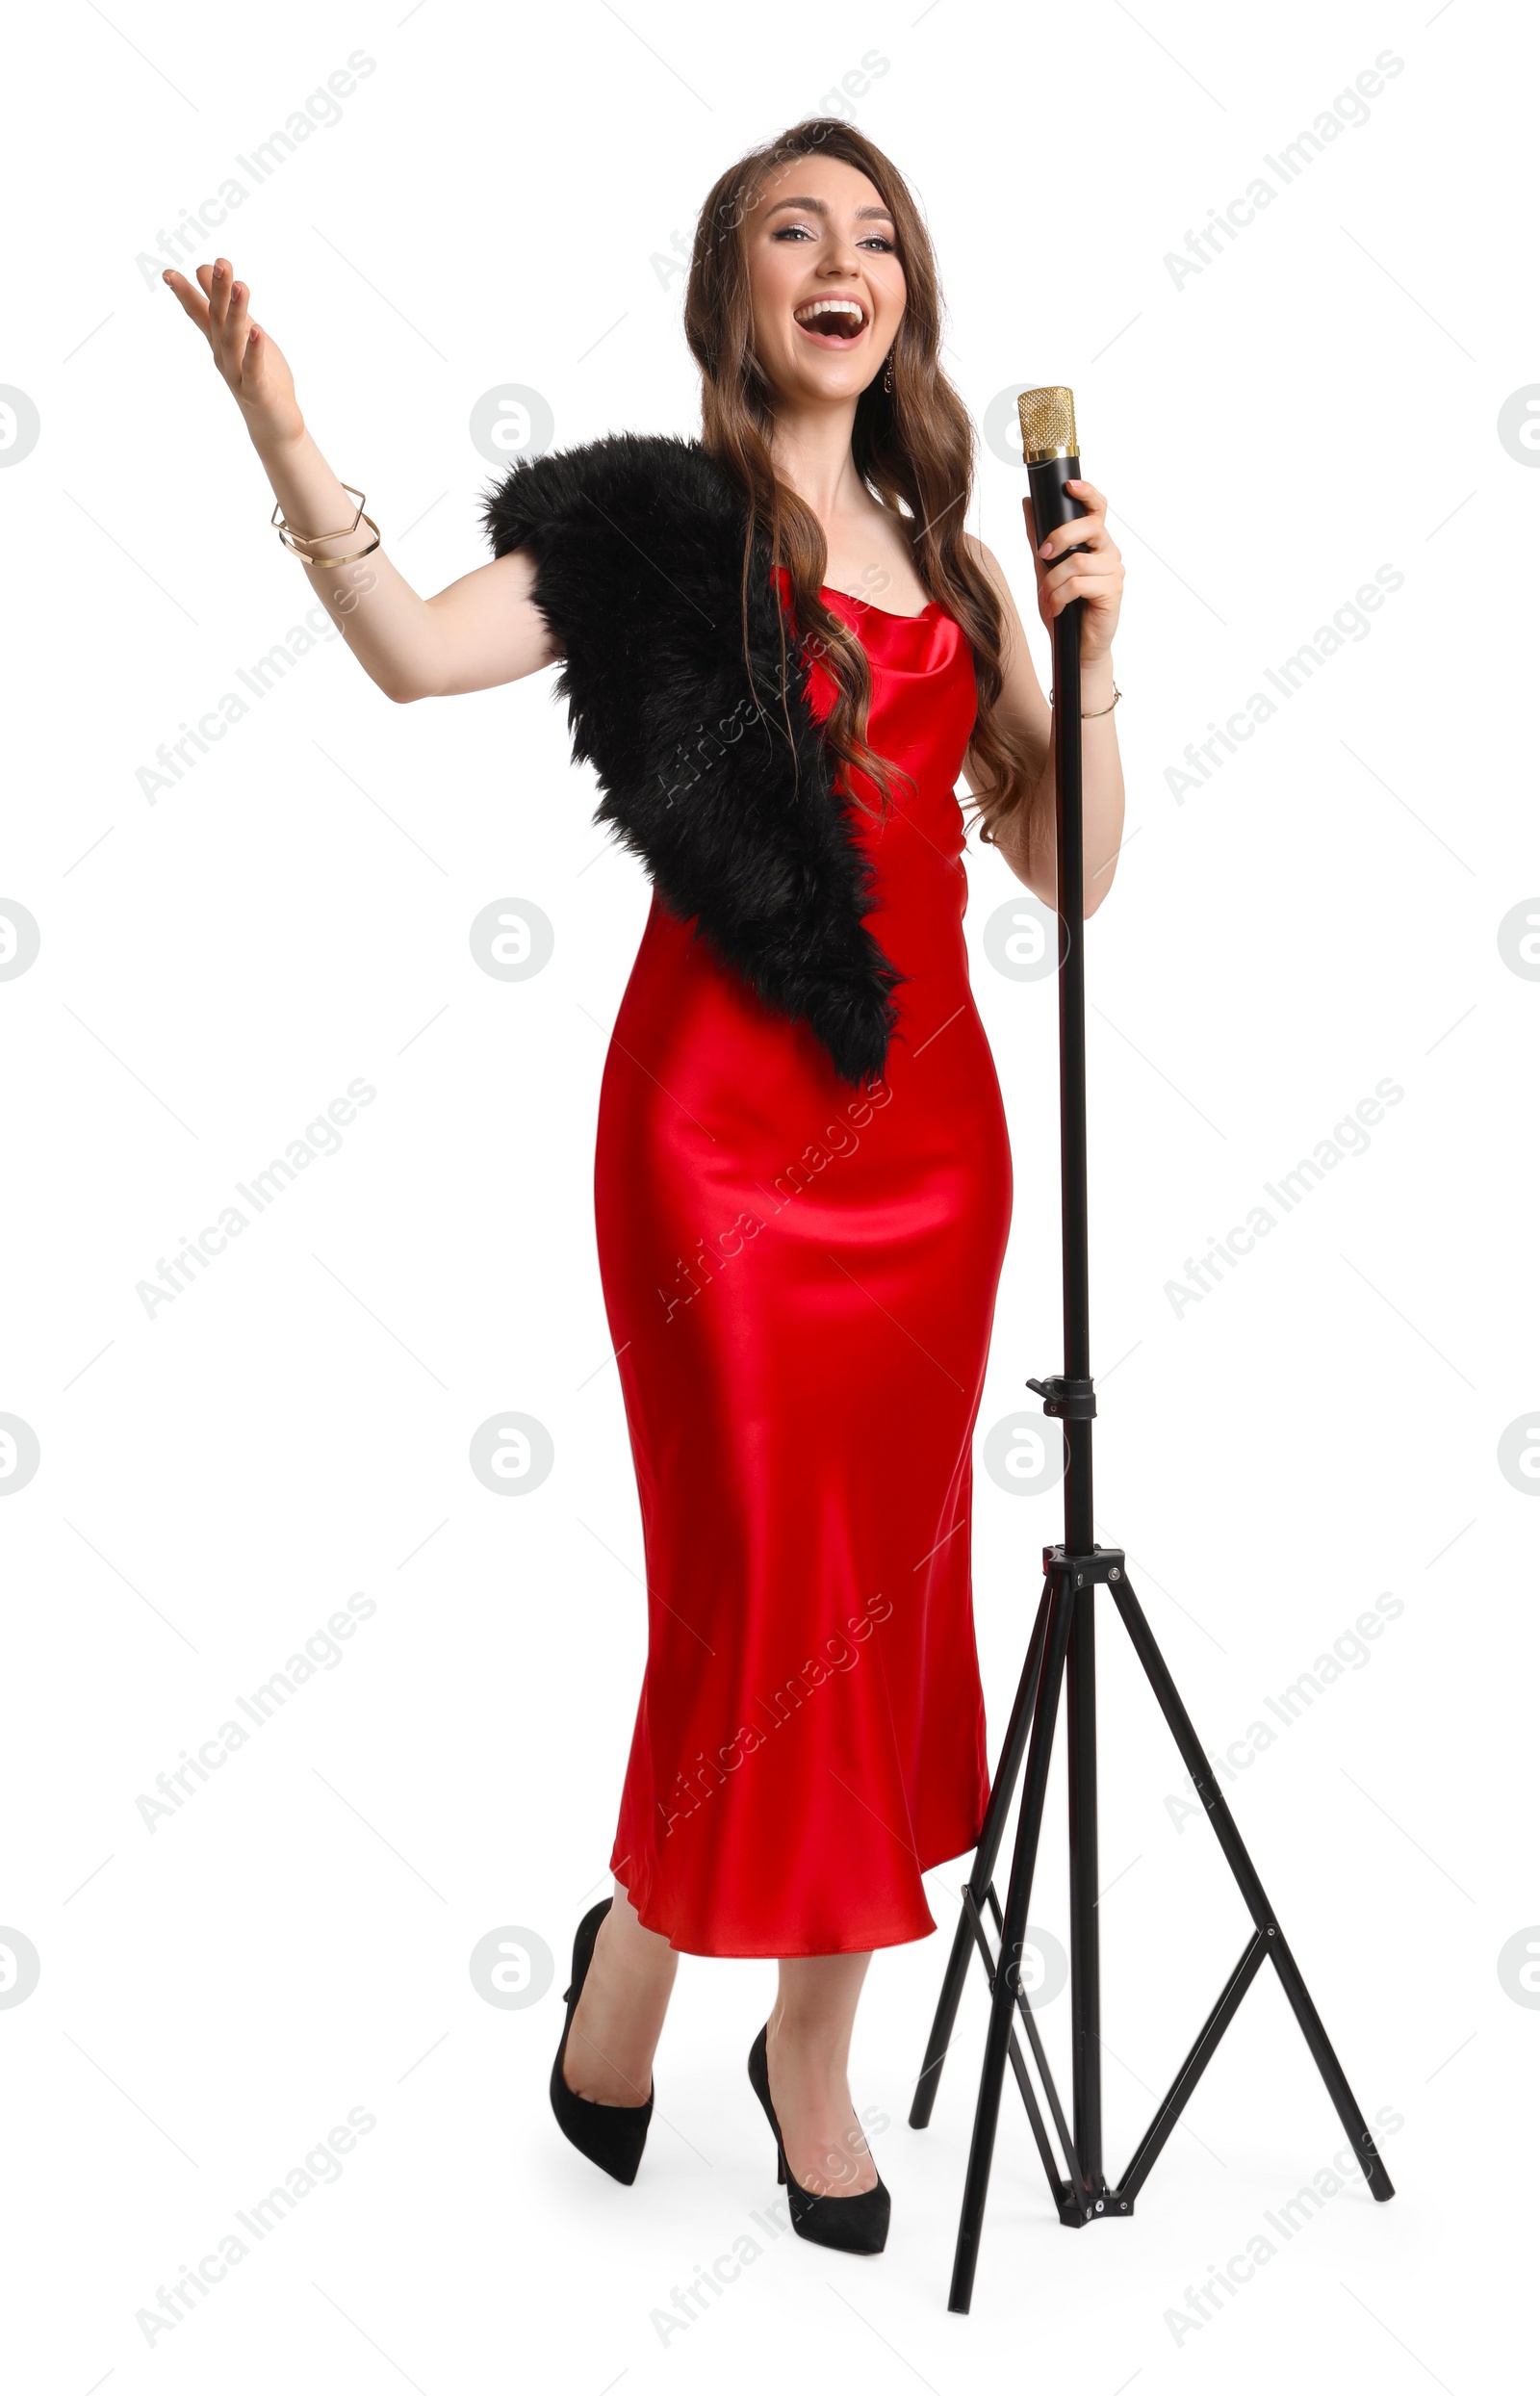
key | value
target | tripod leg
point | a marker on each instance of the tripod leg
(981, 1873)
(1085, 1958)
(1252, 1890)
(1035, 1791)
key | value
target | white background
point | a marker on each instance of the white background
(499, 203)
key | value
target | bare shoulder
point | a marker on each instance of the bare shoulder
(986, 558)
(1016, 637)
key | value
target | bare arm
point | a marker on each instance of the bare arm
(480, 631)
(1028, 840)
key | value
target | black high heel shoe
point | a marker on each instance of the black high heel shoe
(613, 2136)
(855, 2224)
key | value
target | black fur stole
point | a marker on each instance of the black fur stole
(637, 541)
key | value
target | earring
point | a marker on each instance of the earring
(887, 372)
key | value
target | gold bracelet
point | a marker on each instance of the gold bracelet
(291, 537)
(348, 556)
(1091, 715)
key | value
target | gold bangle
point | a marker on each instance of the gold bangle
(353, 554)
(1089, 715)
(291, 537)
(347, 559)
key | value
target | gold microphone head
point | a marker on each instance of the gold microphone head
(1047, 425)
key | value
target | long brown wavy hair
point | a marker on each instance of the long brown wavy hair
(913, 447)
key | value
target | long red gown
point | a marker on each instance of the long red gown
(800, 1284)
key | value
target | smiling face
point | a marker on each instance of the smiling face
(826, 284)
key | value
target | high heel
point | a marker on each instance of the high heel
(613, 2136)
(855, 2224)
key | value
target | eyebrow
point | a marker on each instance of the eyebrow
(820, 207)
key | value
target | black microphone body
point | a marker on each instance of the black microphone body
(1053, 506)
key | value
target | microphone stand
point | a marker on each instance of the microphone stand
(1063, 1648)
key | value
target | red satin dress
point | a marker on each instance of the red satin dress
(800, 1284)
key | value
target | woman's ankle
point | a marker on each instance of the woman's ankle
(812, 2048)
(618, 2019)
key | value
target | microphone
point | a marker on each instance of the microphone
(1052, 456)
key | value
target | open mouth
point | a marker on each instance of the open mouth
(837, 323)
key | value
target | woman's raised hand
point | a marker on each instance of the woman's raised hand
(249, 360)
(483, 630)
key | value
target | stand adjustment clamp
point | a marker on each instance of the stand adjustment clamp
(1075, 1401)
(1103, 1564)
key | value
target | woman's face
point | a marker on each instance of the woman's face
(825, 279)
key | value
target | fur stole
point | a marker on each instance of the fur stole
(637, 541)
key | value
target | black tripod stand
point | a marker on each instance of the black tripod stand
(1063, 1644)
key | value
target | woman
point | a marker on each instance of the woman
(781, 649)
